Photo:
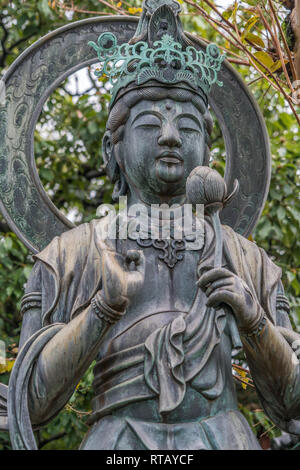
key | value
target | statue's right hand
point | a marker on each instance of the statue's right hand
(122, 275)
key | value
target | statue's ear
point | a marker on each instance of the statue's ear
(111, 166)
(107, 147)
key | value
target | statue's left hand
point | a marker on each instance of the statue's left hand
(222, 286)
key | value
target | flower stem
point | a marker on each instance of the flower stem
(218, 238)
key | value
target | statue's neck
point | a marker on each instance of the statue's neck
(148, 199)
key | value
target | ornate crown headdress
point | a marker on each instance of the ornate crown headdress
(158, 51)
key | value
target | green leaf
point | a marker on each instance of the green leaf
(234, 11)
(291, 276)
(266, 229)
(9, 290)
(286, 119)
(249, 25)
(46, 174)
(277, 65)
(8, 243)
(296, 286)
(265, 58)
(228, 12)
(92, 127)
(44, 8)
(255, 39)
(27, 271)
(281, 213)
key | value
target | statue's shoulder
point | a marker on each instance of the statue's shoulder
(243, 248)
(73, 245)
(71, 271)
(77, 240)
(233, 237)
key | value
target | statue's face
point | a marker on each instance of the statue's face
(163, 141)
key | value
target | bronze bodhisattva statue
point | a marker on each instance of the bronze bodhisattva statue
(160, 316)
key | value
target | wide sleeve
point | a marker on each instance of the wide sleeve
(60, 286)
(274, 364)
(270, 351)
(31, 305)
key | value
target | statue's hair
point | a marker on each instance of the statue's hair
(120, 112)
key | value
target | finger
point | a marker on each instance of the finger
(221, 296)
(203, 269)
(113, 273)
(137, 257)
(104, 246)
(224, 283)
(206, 268)
(213, 275)
(133, 256)
(103, 241)
(111, 259)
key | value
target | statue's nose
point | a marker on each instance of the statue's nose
(169, 136)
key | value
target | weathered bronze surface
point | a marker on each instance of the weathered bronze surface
(31, 79)
(160, 318)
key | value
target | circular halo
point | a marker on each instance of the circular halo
(42, 67)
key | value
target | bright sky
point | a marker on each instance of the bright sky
(225, 3)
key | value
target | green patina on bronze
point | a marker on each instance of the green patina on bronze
(33, 76)
(166, 62)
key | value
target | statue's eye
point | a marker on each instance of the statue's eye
(188, 125)
(148, 121)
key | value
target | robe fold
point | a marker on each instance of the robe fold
(68, 274)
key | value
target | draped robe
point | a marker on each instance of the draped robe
(184, 350)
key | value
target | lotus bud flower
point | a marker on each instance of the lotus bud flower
(206, 186)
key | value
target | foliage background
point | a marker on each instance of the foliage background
(68, 156)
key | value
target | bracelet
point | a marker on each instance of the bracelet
(31, 300)
(255, 329)
(104, 311)
(282, 303)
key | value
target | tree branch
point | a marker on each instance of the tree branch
(294, 74)
(3, 41)
(19, 41)
(51, 439)
(289, 4)
(276, 43)
(94, 174)
(80, 10)
(295, 22)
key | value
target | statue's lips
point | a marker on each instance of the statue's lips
(170, 157)
(169, 167)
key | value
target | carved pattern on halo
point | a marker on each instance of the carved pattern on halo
(37, 207)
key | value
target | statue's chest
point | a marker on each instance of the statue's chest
(170, 278)
(166, 293)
